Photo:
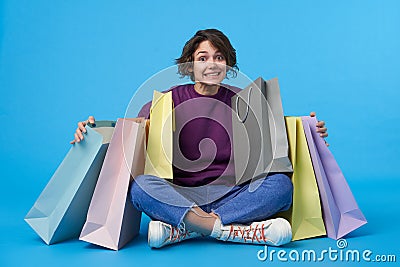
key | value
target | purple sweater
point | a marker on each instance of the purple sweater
(202, 138)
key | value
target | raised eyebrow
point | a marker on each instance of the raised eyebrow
(205, 52)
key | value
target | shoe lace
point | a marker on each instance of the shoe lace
(249, 232)
(178, 233)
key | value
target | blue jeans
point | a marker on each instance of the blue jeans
(243, 204)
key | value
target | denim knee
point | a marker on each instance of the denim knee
(155, 197)
(141, 186)
(142, 179)
(136, 191)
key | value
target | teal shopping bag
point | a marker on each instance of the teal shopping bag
(60, 211)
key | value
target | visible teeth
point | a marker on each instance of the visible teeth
(212, 74)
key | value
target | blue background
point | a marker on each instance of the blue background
(61, 61)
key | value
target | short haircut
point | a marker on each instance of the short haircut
(218, 40)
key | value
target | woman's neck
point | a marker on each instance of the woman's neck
(206, 89)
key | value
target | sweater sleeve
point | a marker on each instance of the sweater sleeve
(145, 111)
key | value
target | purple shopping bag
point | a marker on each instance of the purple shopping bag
(340, 211)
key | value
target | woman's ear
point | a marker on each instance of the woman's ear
(228, 69)
(190, 67)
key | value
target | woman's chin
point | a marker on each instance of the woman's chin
(211, 82)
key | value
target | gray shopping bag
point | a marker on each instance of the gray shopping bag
(252, 145)
(60, 211)
(279, 139)
(259, 132)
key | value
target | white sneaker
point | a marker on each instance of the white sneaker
(161, 234)
(273, 232)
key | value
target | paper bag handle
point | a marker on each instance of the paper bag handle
(247, 108)
(98, 124)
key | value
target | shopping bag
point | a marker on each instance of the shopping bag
(112, 221)
(252, 146)
(60, 211)
(260, 142)
(280, 146)
(305, 215)
(159, 144)
(339, 208)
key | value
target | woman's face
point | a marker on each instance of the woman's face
(209, 64)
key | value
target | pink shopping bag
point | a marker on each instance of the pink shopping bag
(112, 221)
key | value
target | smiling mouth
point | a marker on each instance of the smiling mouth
(214, 74)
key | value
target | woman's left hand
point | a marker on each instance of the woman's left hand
(321, 128)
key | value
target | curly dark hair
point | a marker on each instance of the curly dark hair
(218, 40)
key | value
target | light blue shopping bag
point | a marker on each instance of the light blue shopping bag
(60, 211)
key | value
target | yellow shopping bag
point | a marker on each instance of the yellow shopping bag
(159, 143)
(305, 215)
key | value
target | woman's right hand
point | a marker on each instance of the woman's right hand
(81, 130)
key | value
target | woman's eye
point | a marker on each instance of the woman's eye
(220, 58)
(202, 59)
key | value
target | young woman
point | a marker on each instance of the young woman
(203, 199)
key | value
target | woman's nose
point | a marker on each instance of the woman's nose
(211, 63)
